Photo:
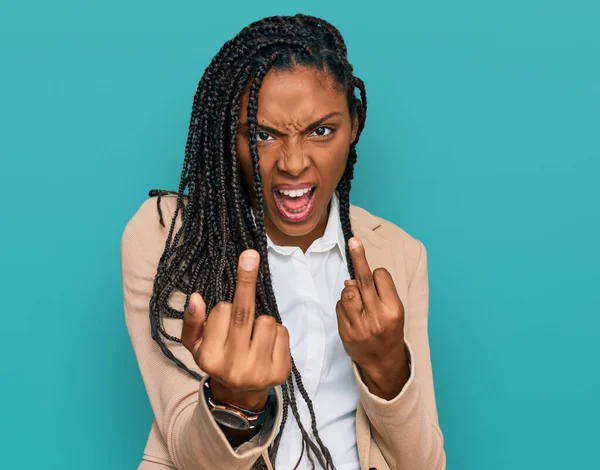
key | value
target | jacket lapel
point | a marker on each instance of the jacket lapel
(378, 252)
(377, 249)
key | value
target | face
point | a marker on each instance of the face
(304, 133)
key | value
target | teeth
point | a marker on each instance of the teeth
(295, 192)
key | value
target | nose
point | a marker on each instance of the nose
(293, 160)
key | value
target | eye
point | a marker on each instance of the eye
(322, 131)
(262, 136)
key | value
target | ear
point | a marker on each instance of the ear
(354, 127)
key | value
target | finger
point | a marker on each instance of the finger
(281, 357)
(194, 316)
(386, 289)
(244, 299)
(350, 282)
(343, 320)
(352, 304)
(264, 333)
(364, 275)
(216, 328)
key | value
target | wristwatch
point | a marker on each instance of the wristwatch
(233, 416)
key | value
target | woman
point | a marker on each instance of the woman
(270, 268)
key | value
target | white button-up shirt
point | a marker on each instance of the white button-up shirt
(307, 286)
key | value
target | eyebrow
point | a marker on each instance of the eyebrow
(307, 128)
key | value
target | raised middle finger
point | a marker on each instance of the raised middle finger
(244, 301)
(364, 275)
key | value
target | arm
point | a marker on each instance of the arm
(406, 428)
(193, 439)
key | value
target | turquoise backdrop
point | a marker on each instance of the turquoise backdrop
(482, 140)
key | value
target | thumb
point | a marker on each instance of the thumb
(193, 323)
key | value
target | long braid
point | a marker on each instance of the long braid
(217, 212)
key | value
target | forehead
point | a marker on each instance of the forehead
(300, 92)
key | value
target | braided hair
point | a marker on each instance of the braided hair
(217, 219)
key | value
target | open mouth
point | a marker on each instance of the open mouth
(295, 205)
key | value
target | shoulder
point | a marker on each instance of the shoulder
(384, 228)
(150, 223)
(154, 210)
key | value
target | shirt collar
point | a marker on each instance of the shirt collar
(333, 235)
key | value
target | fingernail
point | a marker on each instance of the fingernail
(249, 261)
(192, 307)
(354, 243)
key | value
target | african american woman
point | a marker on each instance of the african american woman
(275, 324)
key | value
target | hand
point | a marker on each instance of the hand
(245, 357)
(371, 325)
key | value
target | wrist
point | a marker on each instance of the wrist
(386, 380)
(252, 400)
(241, 420)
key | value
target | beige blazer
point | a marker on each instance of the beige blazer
(402, 433)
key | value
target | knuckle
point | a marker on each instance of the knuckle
(241, 313)
(246, 277)
(350, 293)
(377, 329)
(349, 339)
(261, 382)
(398, 311)
(381, 272)
(221, 307)
(266, 321)
(283, 331)
(207, 363)
(365, 280)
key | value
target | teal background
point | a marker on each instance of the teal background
(481, 140)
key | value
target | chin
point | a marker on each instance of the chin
(297, 230)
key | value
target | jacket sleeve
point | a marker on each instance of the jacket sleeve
(406, 428)
(193, 439)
